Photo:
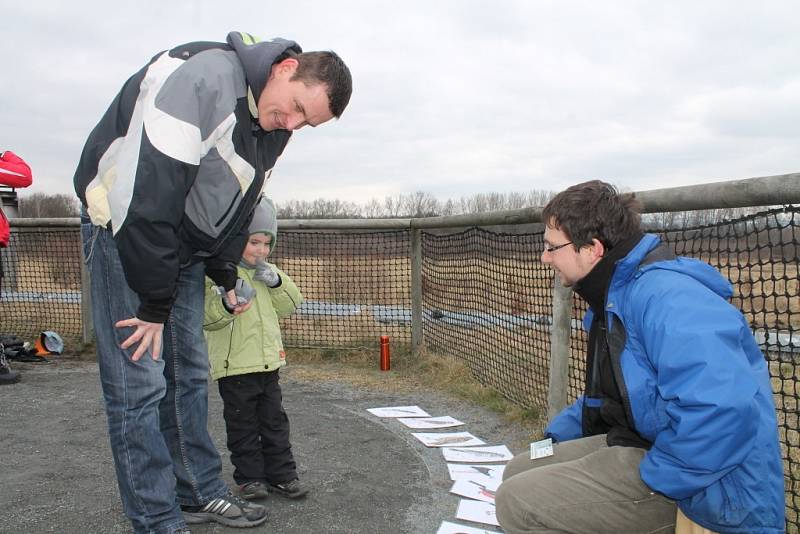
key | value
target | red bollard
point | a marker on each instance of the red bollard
(386, 363)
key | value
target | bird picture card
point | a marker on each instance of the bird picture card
(496, 453)
(458, 471)
(447, 439)
(477, 512)
(453, 528)
(480, 488)
(430, 422)
(399, 411)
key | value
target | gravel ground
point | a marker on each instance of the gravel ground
(367, 475)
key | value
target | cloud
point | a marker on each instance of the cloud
(450, 97)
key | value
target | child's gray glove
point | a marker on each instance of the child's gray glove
(244, 293)
(265, 274)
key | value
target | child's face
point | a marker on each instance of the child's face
(257, 248)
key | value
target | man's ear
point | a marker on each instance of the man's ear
(597, 250)
(282, 69)
(288, 65)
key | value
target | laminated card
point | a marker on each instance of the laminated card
(477, 511)
(399, 411)
(448, 439)
(481, 488)
(430, 422)
(452, 528)
(494, 472)
(496, 453)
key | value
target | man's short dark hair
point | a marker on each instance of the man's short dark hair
(594, 210)
(327, 68)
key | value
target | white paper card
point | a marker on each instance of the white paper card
(480, 488)
(477, 511)
(542, 449)
(452, 528)
(496, 453)
(430, 422)
(447, 439)
(399, 411)
(458, 471)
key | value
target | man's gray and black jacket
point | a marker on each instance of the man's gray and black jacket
(178, 161)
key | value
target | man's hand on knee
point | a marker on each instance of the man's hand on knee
(148, 335)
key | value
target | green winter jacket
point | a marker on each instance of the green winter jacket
(250, 342)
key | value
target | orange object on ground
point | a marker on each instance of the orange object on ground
(385, 358)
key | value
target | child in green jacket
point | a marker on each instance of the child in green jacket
(246, 352)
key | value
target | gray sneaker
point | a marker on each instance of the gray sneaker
(228, 510)
(253, 490)
(294, 489)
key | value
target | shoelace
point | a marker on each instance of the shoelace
(238, 501)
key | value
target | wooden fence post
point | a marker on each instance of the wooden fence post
(559, 348)
(417, 338)
(87, 325)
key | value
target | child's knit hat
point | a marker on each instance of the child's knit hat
(265, 220)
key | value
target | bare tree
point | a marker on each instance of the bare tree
(393, 206)
(42, 205)
(373, 209)
(417, 204)
(420, 204)
(449, 208)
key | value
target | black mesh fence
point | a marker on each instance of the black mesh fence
(41, 286)
(356, 286)
(486, 299)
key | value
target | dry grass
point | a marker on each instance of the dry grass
(359, 368)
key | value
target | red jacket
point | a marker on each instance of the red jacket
(16, 173)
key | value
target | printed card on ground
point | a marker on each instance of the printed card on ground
(496, 453)
(447, 439)
(399, 411)
(430, 422)
(480, 488)
(458, 471)
(477, 512)
(452, 528)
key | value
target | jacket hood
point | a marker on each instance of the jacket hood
(257, 57)
(702, 272)
(265, 220)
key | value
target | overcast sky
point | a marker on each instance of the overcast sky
(450, 97)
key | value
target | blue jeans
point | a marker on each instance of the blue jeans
(157, 410)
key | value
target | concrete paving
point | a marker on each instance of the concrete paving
(367, 475)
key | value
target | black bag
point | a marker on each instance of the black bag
(11, 341)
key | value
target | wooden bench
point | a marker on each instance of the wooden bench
(684, 525)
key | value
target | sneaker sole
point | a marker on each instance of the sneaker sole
(196, 518)
(255, 496)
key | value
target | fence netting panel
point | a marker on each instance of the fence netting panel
(41, 286)
(487, 301)
(356, 286)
